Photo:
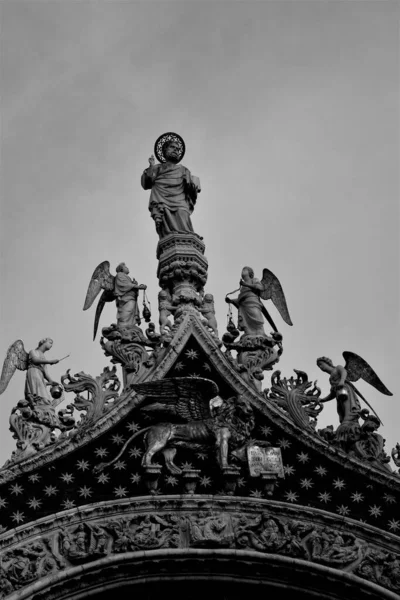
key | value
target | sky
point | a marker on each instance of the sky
(290, 115)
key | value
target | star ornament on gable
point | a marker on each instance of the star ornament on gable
(16, 489)
(67, 477)
(3, 503)
(132, 427)
(135, 452)
(34, 503)
(18, 516)
(303, 457)
(205, 481)
(375, 511)
(256, 494)
(201, 455)
(67, 504)
(339, 484)
(266, 431)
(117, 439)
(284, 443)
(321, 470)
(291, 496)
(389, 498)
(324, 497)
(103, 478)
(34, 477)
(289, 470)
(120, 492)
(101, 452)
(119, 465)
(85, 491)
(394, 525)
(192, 354)
(357, 497)
(135, 478)
(83, 465)
(50, 490)
(343, 510)
(171, 480)
(306, 483)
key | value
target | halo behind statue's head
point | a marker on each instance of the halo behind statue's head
(162, 143)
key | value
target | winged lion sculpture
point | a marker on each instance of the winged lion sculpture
(197, 417)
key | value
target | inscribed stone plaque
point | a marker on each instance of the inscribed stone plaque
(264, 459)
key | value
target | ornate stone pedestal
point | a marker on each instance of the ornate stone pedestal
(182, 268)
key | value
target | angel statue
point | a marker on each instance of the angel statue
(173, 188)
(121, 289)
(251, 309)
(346, 394)
(35, 364)
(396, 455)
(197, 417)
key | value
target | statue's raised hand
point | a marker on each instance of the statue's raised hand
(152, 160)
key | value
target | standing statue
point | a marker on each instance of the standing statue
(35, 364)
(121, 289)
(33, 420)
(396, 455)
(165, 309)
(346, 394)
(251, 309)
(207, 309)
(173, 189)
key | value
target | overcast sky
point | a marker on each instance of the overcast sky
(290, 114)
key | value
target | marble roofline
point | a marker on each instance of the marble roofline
(191, 325)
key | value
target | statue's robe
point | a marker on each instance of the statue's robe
(36, 380)
(173, 196)
(127, 308)
(250, 315)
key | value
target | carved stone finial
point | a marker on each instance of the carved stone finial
(298, 397)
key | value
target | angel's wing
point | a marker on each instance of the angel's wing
(273, 291)
(107, 296)
(185, 397)
(357, 368)
(101, 280)
(16, 358)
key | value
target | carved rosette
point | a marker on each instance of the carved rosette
(182, 268)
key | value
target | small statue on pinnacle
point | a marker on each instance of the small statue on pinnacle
(173, 188)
